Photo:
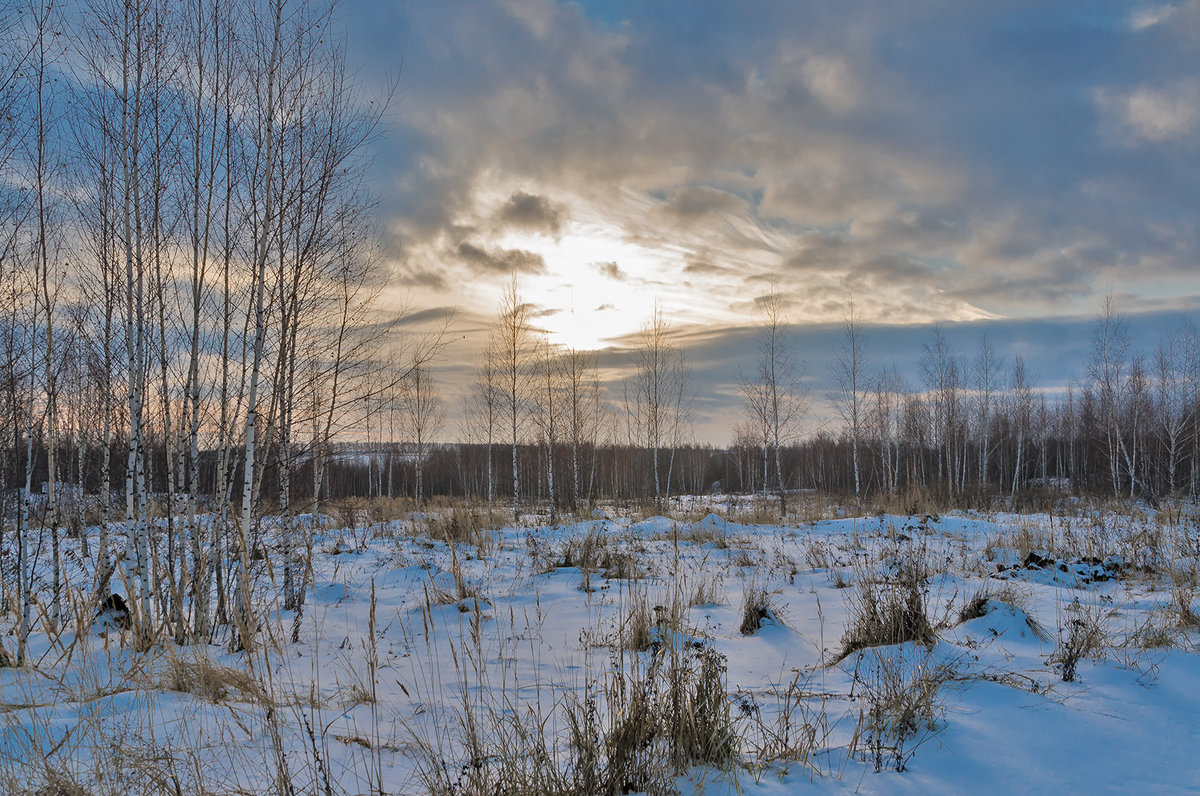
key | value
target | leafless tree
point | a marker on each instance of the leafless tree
(512, 347)
(1172, 397)
(986, 372)
(775, 395)
(887, 418)
(484, 412)
(1110, 352)
(1021, 413)
(942, 375)
(658, 396)
(851, 384)
(583, 396)
(547, 405)
(423, 414)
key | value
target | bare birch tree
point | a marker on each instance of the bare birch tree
(658, 398)
(851, 382)
(423, 414)
(511, 344)
(776, 393)
(986, 372)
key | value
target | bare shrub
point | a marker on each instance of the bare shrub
(348, 512)
(794, 731)
(900, 688)
(1082, 633)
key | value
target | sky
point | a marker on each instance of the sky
(992, 167)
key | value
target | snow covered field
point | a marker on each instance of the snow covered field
(657, 655)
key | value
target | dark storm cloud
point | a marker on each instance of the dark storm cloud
(500, 261)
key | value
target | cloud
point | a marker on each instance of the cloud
(1154, 115)
(695, 202)
(928, 230)
(532, 212)
(831, 81)
(427, 317)
(500, 261)
(952, 163)
(1147, 17)
(420, 277)
(611, 270)
(699, 267)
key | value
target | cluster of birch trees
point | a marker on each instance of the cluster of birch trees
(186, 283)
(530, 396)
(970, 425)
(977, 424)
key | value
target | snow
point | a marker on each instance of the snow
(505, 632)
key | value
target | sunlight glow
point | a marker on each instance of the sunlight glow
(601, 283)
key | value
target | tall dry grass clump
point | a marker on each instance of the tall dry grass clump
(659, 707)
(886, 609)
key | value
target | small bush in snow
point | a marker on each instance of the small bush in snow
(1082, 635)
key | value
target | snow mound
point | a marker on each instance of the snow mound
(1001, 619)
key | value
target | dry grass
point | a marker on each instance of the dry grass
(634, 729)
(584, 552)
(710, 529)
(797, 728)
(1184, 584)
(886, 610)
(645, 626)
(706, 589)
(461, 590)
(758, 609)
(202, 677)
(114, 744)
(979, 604)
